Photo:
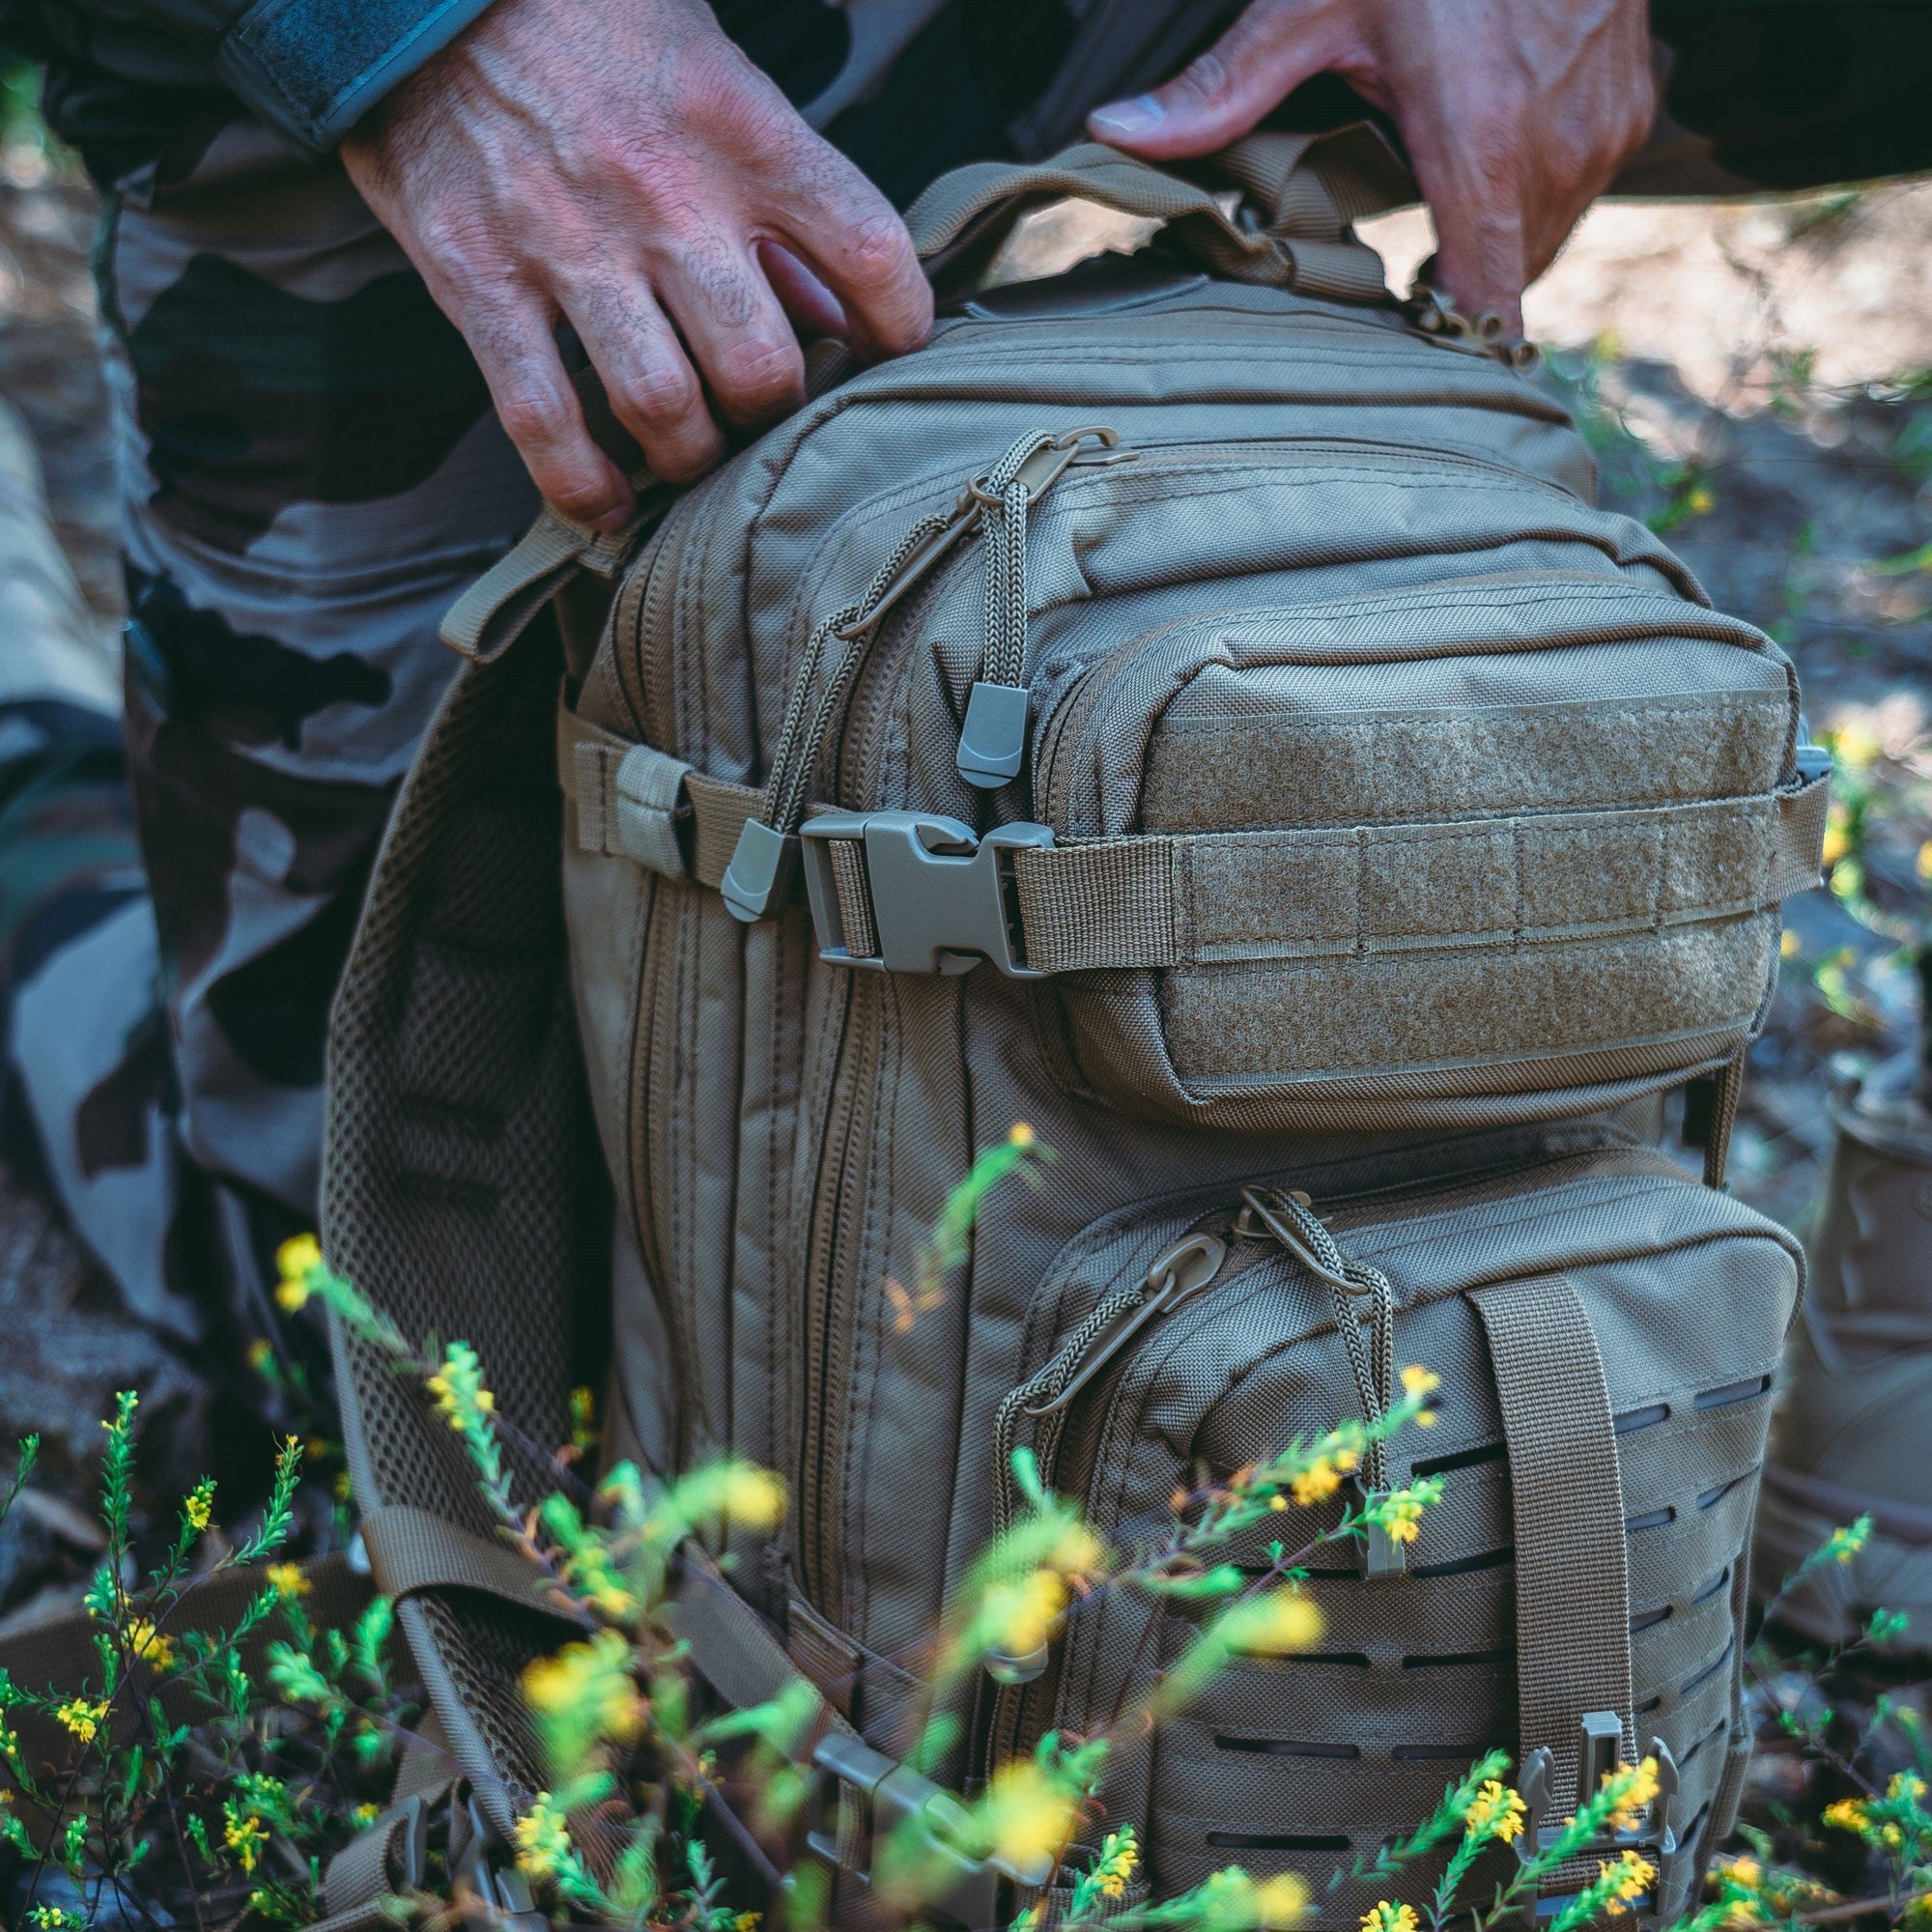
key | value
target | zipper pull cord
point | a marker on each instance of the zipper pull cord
(1000, 500)
(1348, 1283)
(1043, 1388)
(796, 757)
(1006, 497)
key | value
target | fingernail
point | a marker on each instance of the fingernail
(1129, 118)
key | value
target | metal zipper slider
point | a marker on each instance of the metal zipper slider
(1177, 1273)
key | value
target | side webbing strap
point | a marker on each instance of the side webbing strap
(631, 800)
(744, 1661)
(1566, 1501)
(1798, 853)
(738, 1654)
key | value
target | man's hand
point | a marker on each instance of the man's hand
(1514, 112)
(626, 169)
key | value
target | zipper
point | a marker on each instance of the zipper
(829, 1328)
(875, 691)
(1070, 1453)
(654, 1072)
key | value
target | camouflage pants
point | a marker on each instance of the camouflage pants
(309, 471)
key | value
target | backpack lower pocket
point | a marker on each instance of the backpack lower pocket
(1606, 1331)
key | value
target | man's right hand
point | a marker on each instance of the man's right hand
(626, 169)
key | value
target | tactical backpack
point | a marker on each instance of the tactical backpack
(1191, 708)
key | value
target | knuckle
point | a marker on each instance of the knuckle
(660, 395)
(533, 417)
(1208, 78)
(760, 374)
(876, 248)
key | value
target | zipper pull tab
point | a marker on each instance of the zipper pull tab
(992, 740)
(1177, 1273)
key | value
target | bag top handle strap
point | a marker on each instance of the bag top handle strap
(1303, 192)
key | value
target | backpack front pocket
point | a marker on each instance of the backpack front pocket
(1490, 850)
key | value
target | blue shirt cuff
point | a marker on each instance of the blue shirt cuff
(313, 68)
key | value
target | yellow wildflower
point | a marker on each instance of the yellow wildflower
(1283, 1900)
(753, 1499)
(245, 1834)
(1907, 1787)
(1419, 1381)
(198, 1511)
(1627, 1879)
(1384, 1917)
(448, 1395)
(1119, 1857)
(81, 1717)
(1020, 1134)
(1399, 1515)
(1270, 1625)
(151, 1644)
(1789, 945)
(298, 1255)
(748, 1922)
(1837, 835)
(1638, 1786)
(1496, 1812)
(1022, 1616)
(260, 1354)
(10, 1749)
(366, 1813)
(295, 1261)
(542, 1838)
(1701, 500)
(589, 1684)
(1323, 1477)
(1925, 860)
(1847, 1814)
(287, 1580)
(1747, 1872)
(1846, 1543)
(1025, 1817)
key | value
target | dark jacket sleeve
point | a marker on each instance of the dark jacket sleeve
(313, 68)
(310, 69)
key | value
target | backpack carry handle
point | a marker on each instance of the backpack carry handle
(1300, 196)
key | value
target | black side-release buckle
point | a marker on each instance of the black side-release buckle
(1601, 1742)
(860, 1800)
(939, 899)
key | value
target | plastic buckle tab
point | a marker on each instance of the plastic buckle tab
(939, 896)
(1600, 1745)
(862, 1801)
(992, 741)
(758, 879)
(486, 1863)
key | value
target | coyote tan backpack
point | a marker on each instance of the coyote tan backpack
(1194, 710)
